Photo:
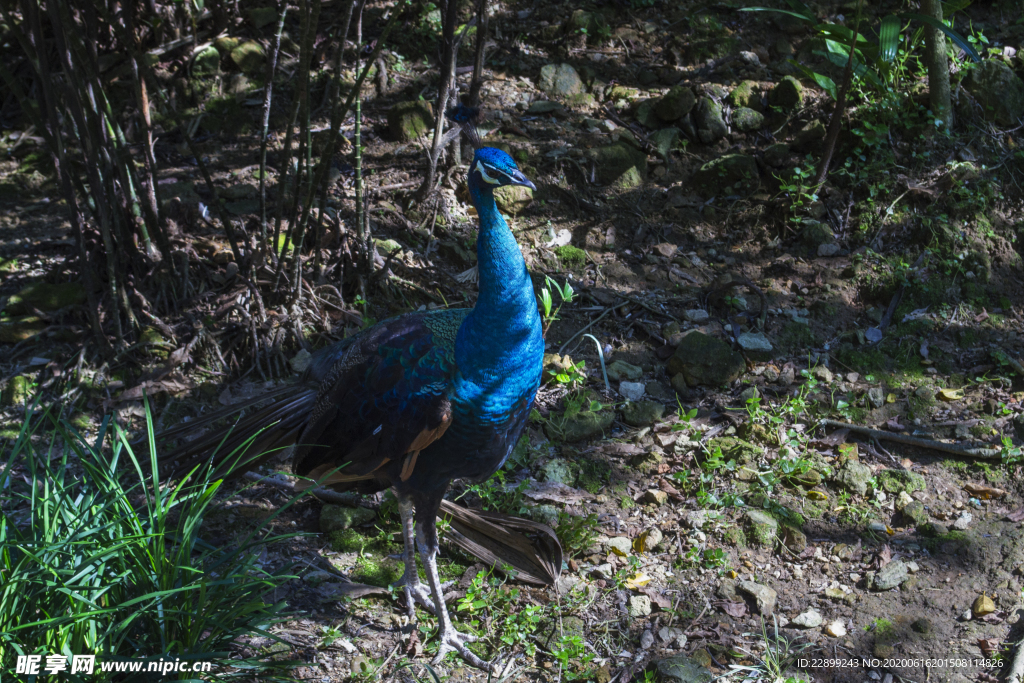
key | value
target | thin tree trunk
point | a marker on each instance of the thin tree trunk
(835, 123)
(938, 65)
(268, 93)
(449, 54)
(478, 59)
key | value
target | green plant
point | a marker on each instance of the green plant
(510, 621)
(799, 189)
(94, 566)
(571, 654)
(576, 534)
(496, 495)
(565, 293)
(780, 654)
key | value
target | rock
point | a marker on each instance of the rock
(682, 669)
(914, 514)
(645, 116)
(837, 629)
(225, 44)
(697, 315)
(963, 522)
(815, 234)
(828, 250)
(17, 392)
(545, 514)
(338, 517)
(895, 481)
(876, 396)
(775, 155)
(808, 138)
(557, 470)
(250, 58)
(590, 23)
(728, 175)
(620, 165)
(46, 297)
(764, 597)
(584, 425)
(407, 121)
(560, 80)
(639, 606)
(206, 62)
(641, 413)
(14, 330)
(654, 535)
(300, 361)
(999, 90)
(794, 539)
(603, 571)
(261, 16)
(623, 545)
(809, 619)
(654, 497)
(675, 104)
(664, 140)
(762, 527)
(705, 360)
(678, 382)
(854, 476)
(646, 640)
(710, 123)
(787, 95)
(619, 370)
(922, 626)
(756, 345)
(745, 96)
(745, 119)
(544, 107)
(672, 636)
(315, 578)
(512, 200)
(890, 576)
(633, 391)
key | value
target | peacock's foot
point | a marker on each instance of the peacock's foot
(418, 594)
(455, 641)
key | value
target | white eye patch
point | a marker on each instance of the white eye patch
(483, 174)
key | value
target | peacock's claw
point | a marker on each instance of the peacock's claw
(451, 640)
(418, 594)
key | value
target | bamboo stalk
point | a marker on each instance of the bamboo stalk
(264, 131)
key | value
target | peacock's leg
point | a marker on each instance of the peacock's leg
(451, 640)
(415, 592)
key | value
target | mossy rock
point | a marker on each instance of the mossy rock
(737, 449)
(675, 104)
(17, 392)
(154, 341)
(407, 121)
(261, 16)
(225, 44)
(570, 256)
(560, 80)
(619, 165)
(8, 265)
(206, 62)
(14, 330)
(734, 536)
(745, 95)
(46, 297)
(339, 517)
(999, 90)
(559, 470)
(376, 571)
(584, 425)
(642, 413)
(706, 360)
(250, 58)
(894, 481)
(762, 528)
(746, 119)
(512, 200)
(787, 95)
(591, 23)
(728, 175)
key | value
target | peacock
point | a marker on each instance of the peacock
(413, 402)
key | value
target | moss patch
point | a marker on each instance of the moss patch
(570, 256)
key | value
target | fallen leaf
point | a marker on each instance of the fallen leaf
(984, 492)
(816, 495)
(657, 598)
(734, 609)
(640, 543)
(951, 394)
(1016, 516)
(637, 581)
(891, 398)
(616, 551)
(989, 646)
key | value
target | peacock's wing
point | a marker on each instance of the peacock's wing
(384, 399)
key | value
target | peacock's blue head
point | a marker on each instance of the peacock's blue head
(492, 169)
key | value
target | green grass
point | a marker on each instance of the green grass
(97, 559)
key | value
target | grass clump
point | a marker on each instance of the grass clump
(98, 559)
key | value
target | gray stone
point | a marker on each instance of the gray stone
(560, 80)
(544, 107)
(620, 165)
(709, 120)
(512, 200)
(745, 119)
(623, 545)
(705, 360)
(664, 140)
(915, 514)
(764, 597)
(645, 116)
(745, 96)
(963, 522)
(639, 606)
(787, 94)
(682, 669)
(603, 571)
(633, 391)
(557, 470)
(815, 234)
(854, 476)
(584, 425)
(338, 517)
(619, 370)
(733, 174)
(756, 345)
(642, 413)
(675, 104)
(890, 576)
(876, 396)
(407, 121)
(697, 315)
(999, 90)
(828, 250)
(654, 497)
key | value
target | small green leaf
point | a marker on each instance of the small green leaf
(960, 41)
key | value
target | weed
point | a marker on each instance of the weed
(576, 534)
(565, 293)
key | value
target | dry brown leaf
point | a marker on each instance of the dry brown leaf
(984, 492)
(734, 609)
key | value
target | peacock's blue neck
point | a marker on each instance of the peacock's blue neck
(501, 338)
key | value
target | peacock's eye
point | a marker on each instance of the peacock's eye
(482, 168)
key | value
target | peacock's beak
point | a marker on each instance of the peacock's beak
(518, 178)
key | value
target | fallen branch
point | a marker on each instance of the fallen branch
(956, 449)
